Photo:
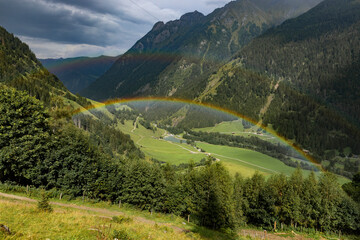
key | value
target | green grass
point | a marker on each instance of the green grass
(26, 222)
(246, 162)
(236, 128)
(169, 152)
(225, 127)
(150, 143)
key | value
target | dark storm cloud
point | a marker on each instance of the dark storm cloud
(121, 9)
(63, 23)
(64, 28)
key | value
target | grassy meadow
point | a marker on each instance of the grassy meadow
(153, 146)
(244, 161)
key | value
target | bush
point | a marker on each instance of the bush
(121, 219)
(43, 204)
(121, 234)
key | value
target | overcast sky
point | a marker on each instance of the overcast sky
(69, 28)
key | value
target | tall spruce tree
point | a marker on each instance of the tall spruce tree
(310, 202)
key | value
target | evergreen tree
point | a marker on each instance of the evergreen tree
(293, 197)
(276, 186)
(216, 203)
(353, 188)
(310, 201)
(239, 200)
(330, 198)
(253, 187)
(43, 203)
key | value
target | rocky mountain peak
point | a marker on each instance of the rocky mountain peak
(158, 25)
(191, 17)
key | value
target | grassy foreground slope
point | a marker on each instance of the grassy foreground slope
(27, 222)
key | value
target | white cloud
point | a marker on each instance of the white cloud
(42, 48)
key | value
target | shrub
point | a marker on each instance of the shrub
(43, 203)
(121, 234)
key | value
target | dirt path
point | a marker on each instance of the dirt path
(182, 147)
(236, 159)
(257, 234)
(136, 120)
(106, 213)
(141, 138)
(270, 98)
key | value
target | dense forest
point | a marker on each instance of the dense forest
(178, 114)
(43, 148)
(321, 59)
(102, 134)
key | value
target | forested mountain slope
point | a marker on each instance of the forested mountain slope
(78, 73)
(317, 53)
(176, 58)
(19, 68)
(39, 144)
(302, 79)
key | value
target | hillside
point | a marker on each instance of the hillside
(39, 144)
(304, 74)
(78, 73)
(175, 59)
(19, 68)
(318, 53)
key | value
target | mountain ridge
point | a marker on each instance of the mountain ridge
(204, 46)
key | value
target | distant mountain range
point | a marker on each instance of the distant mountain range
(78, 73)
